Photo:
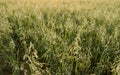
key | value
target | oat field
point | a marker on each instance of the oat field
(59, 37)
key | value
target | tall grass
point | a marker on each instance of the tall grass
(80, 37)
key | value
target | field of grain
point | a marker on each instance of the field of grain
(59, 37)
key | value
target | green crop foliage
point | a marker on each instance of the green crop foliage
(58, 37)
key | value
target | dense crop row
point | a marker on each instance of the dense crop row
(68, 38)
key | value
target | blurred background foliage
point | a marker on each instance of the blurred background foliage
(59, 38)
